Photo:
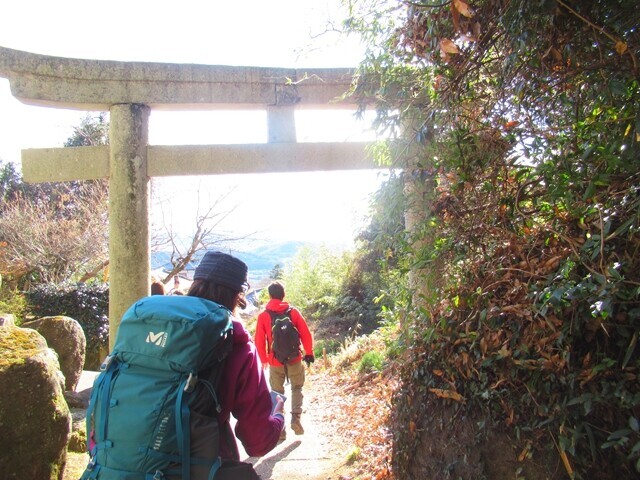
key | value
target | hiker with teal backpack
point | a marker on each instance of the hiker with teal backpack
(180, 367)
(283, 341)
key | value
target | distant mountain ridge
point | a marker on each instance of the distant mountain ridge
(260, 259)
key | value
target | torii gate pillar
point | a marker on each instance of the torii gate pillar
(129, 246)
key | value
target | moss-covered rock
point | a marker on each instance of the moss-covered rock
(66, 337)
(78, 439)
(35, 422)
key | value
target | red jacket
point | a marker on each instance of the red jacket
(263, 338)
(244, 393)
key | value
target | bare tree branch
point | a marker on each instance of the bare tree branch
(206, 233)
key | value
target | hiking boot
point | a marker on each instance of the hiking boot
(296, 426)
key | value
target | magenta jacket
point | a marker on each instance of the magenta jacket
(243, 392)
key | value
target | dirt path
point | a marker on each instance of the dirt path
(320, 454)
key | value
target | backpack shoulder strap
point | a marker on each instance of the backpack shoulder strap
(272, 315)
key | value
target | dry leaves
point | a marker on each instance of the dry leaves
(362, 417)
(450, 394)
(462, 7)
(447, 46)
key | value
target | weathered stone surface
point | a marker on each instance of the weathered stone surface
(66, 337)
(7, 320)
(129, 262)
(78, 399)
(98, 84)
(88, 163)
(35, 422)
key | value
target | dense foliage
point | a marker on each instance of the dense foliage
(521, 149)
(87, 304)
(329, 287)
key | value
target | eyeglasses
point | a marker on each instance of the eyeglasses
(245, 287)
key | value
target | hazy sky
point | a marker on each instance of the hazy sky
(278, 33)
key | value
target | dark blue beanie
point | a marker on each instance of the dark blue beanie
(223, 269)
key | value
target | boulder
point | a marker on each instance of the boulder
(78, 399)
(35, 422)
(66, 337)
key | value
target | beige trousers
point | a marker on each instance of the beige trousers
(295, 372)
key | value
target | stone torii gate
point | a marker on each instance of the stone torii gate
(129, 90)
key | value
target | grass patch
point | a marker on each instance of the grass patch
(371, 361)
(331, 346)
(353, 455)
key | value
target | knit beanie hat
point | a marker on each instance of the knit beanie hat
(223, 269)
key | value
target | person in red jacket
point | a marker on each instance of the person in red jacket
(243, 390)
(294, 369)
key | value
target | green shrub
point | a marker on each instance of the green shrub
(13, 302)
(332, 346)
(88, 304)
(371, 361)
(314, 280)
(78, 441)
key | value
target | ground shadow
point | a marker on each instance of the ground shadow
(264, 466)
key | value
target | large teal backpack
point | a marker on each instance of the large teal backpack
(139, 421)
